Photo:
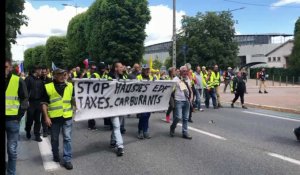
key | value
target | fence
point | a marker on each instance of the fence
(278, 80)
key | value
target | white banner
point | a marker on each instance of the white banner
(101, 98)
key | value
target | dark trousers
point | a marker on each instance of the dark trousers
(210, 93)
(171, 105)
(144, 122)
(34, 114)
(227, 82)
(237, 95)
(91, 123)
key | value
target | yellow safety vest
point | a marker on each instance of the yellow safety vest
(59, 106)
(88, 74)
(204, 76)
(104, 76)
(74, 74)
(216, 78)
(12, 102)
(210, 82)
(140, 77)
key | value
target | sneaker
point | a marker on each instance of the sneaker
(28, 135)
(265, 92)
(297, 134)
(38, 139)
(120, 152)
(172, 132)
(56, 159)
(190, 120)
(68, 165)
(113, 145)
(244, 107)
(140, 136)
(232, 105)
(45, 134)
(146, 135)
(260, 92)
(201, 110)
(186, 136)
(123, 131)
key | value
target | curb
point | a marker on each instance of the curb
(273, 108)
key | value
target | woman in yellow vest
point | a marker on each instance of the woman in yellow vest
(143, 125)
(57, 107)
(16, 103)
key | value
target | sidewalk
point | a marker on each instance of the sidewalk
(280, 98)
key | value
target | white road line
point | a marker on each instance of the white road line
(202, 132)
(46, 153)
(294, 161)
(272, 116)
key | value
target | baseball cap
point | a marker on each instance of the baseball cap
(59, 71)
(145, 66)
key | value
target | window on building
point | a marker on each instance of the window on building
(278, 59)
(274, 58)
(269, 59)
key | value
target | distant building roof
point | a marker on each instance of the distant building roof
(278, 47)
(266, 34)
(258, 49)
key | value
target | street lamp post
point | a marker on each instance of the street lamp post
(75, 6)
(174, 34)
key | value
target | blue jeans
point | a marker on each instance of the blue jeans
(182, 110)
(67, 141)
(116, 137)
(144, 122)
(198, 98)
(12, 132)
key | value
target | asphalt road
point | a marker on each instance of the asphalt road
(236, 142)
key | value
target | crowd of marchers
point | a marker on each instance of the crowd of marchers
(47, 101)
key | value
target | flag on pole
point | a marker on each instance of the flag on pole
(150, 62)
(53, 66)
(86, 63)
(21, 67)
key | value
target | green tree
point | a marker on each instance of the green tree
(76, 39)
(28, 61)
(294, 62)
(115, 30)
(168, 63)
(39, 55)
(14, 19)
(57, 51)
(207, 39)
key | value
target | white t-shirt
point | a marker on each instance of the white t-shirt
(180, 88)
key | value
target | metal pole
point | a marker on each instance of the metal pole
(286, 80)
(293, 80)
(272, 80)
(174, 33)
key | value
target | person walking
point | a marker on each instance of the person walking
(183, 100)
(16, 103)
(172, 75)
(45, 79)
(143, 125)
(262, 79)
(210, 91)
(198, 88)
(217, 80)
(192, 78)
(34, 85)
(57, 106)
(239, 89)
(116, 136)
(227, 76)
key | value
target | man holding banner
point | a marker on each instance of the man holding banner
(144, 117)
(183, 100)
(58, 99)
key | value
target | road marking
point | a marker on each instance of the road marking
(294, 161)
(272, 116)
(46, 153)
(201, 131)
